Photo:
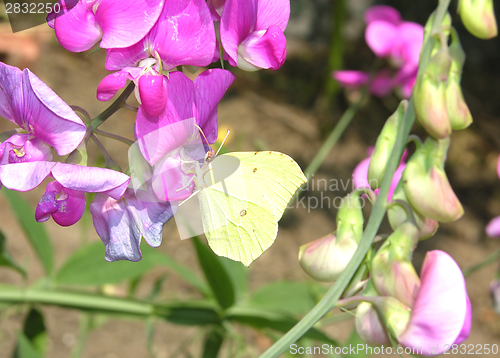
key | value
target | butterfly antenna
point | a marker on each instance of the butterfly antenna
(203, 134)
(227, 134)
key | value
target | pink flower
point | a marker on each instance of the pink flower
(119, 23)
(388, 36)
(441, 314)
(252, 32)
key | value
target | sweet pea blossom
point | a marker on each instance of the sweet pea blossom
(252, 32)
(360, 174)
(49, 122)
(120, 223)
(388, 36)
(441, 314)
(117, 23)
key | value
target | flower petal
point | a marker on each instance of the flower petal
(440, 310)
(49, 118)
(351, 78)
(272, 13)
(381, 37)
(185, 34)
(493, 228)
(24, 176)
(90, 179)
(210, 87)
(360, 174)
(382, 13)
(153, 93)
(382, 84)
(116, 228)
(110, 85)
(170, 182)
(126, 22)
(238, 20)
(66, 209)
(267, 50)
(77, 30)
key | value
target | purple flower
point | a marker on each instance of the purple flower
(47, 119)
(119, 23)
(66, 206)
(252, 32)
(33, 106)
(120, 223)
(388, 36)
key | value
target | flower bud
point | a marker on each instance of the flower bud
(324, 259)
(391, 271)
(379, 315)
(478, 17)
(429, 96)
(397, 215)
(426, 184)
(350, 218)
(384, 146)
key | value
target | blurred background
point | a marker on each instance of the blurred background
(291, 110)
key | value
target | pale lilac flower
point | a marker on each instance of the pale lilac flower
(121, 223)
(441, 314)
(388, 36)
(360, 174)
(117, 23)
(252, 32)
(47, 119)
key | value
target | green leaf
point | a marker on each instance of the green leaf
(7, 260)
(238, 273)
(26, 349)
(87, 266)
(189, 276)
(261, 319)
(34, 330)
(213, 342)
(35, 232)
(216, 274)
(289, 298)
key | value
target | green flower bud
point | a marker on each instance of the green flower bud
(391, 271)
(350, 217)
(429, 96)
(478, 17)
(385, 144)
(397, 215)
(426, 184)
(458, 111)
(326, 258)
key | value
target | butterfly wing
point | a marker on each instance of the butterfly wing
(241, 209)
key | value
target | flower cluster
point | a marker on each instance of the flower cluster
(145, 42)
(388, 36)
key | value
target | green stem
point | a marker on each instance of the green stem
(114, 136)
(114, 107)
(83, 332)
(378, 212)
(487, 261)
